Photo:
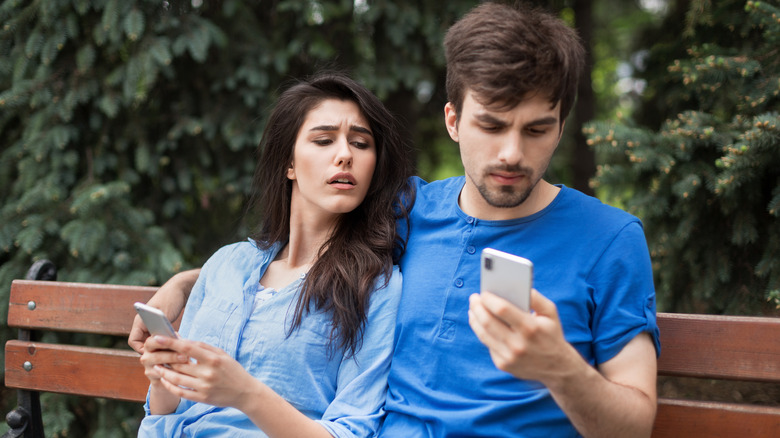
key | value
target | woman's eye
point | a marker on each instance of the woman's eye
(323, 142)
(360, 145)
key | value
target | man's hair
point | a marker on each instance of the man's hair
(505, 54)
(365, 243)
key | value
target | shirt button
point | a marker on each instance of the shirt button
(470, 220)
(459, 283)
(471, 249)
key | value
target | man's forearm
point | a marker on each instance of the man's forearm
(173, 295)
(599, 406)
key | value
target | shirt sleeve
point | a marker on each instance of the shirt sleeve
(624, 294)
(358, 407)
(194, 302)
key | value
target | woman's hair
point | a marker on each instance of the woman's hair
(505, 54)
(364, 244)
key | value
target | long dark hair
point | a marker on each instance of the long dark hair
(365, 243)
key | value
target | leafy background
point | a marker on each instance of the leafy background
(128, 131)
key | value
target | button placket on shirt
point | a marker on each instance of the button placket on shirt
(453, 307)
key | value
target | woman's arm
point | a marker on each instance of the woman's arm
(218, 379)
(161, 401)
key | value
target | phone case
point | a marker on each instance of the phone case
(508, 276)
(155, 320)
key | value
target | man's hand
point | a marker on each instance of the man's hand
(617, 399)
(527, 345)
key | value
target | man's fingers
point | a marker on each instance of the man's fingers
(489, 329)
(543, 305)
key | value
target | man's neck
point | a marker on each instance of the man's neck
(473, 204)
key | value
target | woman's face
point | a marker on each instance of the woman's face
(333, 160)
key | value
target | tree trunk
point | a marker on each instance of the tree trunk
(583, 158)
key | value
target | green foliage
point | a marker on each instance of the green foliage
(706, 184)
(127, 128)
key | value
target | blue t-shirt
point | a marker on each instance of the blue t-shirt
(345, 395)
(589, 258)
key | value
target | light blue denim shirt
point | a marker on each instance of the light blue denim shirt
(345, 395)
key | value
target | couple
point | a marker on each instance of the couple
(297, 326)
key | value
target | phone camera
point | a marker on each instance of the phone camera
(488, 263)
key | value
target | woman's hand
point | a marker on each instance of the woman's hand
(156, 356)
(213, 377)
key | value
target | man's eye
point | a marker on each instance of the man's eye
(537, 131)
(490, 128)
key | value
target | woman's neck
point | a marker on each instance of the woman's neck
(307, 237)
(308, 234)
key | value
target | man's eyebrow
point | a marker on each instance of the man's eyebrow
(551, 120)
(488, 118)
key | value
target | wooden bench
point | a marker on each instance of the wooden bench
(33, 367)
(711, 347)
(724, 348)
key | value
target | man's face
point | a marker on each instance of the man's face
(504, 153)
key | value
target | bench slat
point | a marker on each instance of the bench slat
(79, 307)
(681, 418)
(69, 369)
(719, 347)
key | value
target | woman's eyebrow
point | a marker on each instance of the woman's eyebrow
(360, 129)
(325, 128)
(356, 128)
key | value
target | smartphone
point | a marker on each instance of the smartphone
(155, 320)
(508, 276)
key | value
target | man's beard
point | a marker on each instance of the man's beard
(507, 196)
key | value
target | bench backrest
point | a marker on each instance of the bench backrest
(718, 347)
(74, 307)
(703, 346)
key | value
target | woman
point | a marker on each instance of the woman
(292, 331)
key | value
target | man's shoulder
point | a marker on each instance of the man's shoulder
(590, 208)
(437, 187)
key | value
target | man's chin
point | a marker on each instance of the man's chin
(506, 197)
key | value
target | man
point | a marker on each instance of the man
(583, 362)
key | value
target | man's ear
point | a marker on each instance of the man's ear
(451, 121)
(560, 133)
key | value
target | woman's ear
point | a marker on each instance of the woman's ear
(291, 172)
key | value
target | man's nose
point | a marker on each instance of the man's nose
(511, 151)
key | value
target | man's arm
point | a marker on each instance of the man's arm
(617, 400)
(170, 298)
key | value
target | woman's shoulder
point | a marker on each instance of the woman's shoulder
(241, 253)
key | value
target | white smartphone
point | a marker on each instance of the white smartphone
(155, 320)
(508, 276)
